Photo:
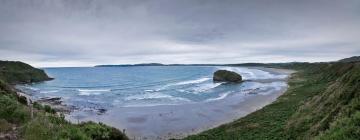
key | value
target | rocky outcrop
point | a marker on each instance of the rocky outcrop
(226, 76)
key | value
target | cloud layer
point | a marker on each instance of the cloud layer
(90, 32)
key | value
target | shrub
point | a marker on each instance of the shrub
(48, 109)
(99, 131)
(4, 125)
(12, 111)
(38, 106)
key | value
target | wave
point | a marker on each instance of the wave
(31, 88)
(196, 81)
(254, 74)
(49, 91)
(263, 88)
(150, 96)
(205, 87)
(188, 82)
(222, 96)
(87, 92)
(151, 84)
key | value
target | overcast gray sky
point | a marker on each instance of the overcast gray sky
(49, 33)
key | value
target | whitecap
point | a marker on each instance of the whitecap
(253, 74)
(156, 95)
(49, 91)
(196, 81)
(222, 96)
(87, 92)
(205, 87)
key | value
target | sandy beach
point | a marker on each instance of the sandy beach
(177, 121)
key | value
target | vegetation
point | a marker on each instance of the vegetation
(18, 121)
(322, 102)
(18, 72)
(351, 59)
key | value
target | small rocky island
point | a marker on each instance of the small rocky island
(226, 76)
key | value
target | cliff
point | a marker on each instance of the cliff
(20, 120)
(19, 72)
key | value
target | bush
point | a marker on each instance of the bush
(48, 109)
(12, 111)
(38, 106)
(99, 131)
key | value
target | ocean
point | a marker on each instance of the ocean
(125, 90)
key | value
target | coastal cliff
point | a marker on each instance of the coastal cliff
(19, 72)
(22, 120)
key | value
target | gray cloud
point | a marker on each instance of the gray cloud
(90, 32)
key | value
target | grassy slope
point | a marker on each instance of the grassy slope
(18, 72)
(322, 102)
(15, 117)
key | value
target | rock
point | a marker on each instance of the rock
(51, 100)
(101, 111)
(227, 76)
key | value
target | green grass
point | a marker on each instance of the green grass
(45, 123)
(321, 103)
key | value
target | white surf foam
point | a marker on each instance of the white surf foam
(253, 74)
(155, 95)
(188, 82)
(222, 96)
(205, 87)
(196, 81)
(49, 91)
(87, 92)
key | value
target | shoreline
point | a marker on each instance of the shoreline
(152, 122)
(237, 109)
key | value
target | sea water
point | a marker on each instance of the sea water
(106, 87)
(158, 101)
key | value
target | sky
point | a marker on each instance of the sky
(57, 33)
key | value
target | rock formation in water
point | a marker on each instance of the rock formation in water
(226, 76)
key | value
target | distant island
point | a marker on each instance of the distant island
(158, 64)
(350, 59)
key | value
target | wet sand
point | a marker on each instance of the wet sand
(177, 121)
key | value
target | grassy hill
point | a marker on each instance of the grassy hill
(18, 120)
(19, 72)
(351, 59)
(322, 102)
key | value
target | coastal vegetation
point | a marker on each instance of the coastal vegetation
(322, 102)
(22, 120)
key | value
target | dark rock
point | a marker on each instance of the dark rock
(22, 100)
(101, 111)
(227, 76)
(51, 100)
